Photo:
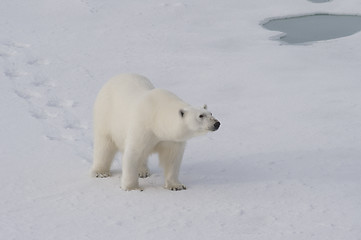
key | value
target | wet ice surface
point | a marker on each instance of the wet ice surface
(310, 28)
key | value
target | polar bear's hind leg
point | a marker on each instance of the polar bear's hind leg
(104, 152)
(144, 171)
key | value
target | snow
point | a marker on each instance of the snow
(285, 163)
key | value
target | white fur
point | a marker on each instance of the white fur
(133, 117)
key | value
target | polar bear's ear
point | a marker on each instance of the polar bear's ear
(181, 112)
(205, 106)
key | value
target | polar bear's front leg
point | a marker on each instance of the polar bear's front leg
(130, 166)
(170, 158)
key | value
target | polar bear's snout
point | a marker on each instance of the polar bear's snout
(216, 125)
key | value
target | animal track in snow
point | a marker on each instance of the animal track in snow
(15, 45)
(40, 114)
(174, 5)
(37, 61)
(6, 54)
(60, 103)
(31, 78)
(26, 94)
(42, 82)
(12, 73)
(93, 6)
(7, 50)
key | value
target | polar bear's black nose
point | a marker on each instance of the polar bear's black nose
(216, 125)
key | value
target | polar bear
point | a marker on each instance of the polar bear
(136, 119)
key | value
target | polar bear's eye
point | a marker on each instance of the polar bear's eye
(201, 116)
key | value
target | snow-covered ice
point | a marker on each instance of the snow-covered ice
(285, 163)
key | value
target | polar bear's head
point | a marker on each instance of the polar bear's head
(199, 121)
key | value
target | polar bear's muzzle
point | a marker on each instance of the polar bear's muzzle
(216, 125)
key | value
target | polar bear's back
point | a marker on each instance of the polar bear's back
(129, 83)
(115, 102)
(122, 90)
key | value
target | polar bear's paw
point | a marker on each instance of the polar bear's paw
(144, 173)
(176, 187)
(101, 174)
(133, 189)
(130, 187)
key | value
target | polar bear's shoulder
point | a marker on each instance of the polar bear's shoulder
(165, 98)
(164, 95)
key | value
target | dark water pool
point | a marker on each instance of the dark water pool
(311, 28)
